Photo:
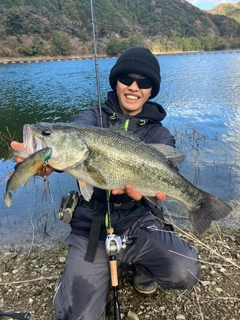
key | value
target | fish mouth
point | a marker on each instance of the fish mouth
(32, 143)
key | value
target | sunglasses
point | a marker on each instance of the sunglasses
(142, 82)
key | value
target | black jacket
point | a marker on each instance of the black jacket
(147, 126)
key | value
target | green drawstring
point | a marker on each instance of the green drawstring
(106, 220)
(126, 124)
(142, 122)
(113, 116)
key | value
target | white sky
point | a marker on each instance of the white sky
(209, 4)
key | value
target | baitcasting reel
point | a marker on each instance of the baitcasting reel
(114, 244)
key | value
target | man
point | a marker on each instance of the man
(159, 256)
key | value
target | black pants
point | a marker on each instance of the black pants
(83, 290)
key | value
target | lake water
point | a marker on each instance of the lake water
(200, 92)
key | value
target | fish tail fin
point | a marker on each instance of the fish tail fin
(211, 209)
(8, 199)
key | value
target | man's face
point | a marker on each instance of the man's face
(132, 97)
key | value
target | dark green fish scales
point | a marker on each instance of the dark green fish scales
(111, 158)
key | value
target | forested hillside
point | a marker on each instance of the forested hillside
(228, 9)
(64, 27)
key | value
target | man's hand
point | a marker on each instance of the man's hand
(46, 171)
(17, 146)
(136, 195)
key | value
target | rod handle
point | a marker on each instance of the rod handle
(113, 271)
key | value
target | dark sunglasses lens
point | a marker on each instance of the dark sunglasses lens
(126, 80)
(143, 83)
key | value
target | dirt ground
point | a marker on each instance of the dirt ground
(28, 279)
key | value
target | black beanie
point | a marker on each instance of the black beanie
(138, 60)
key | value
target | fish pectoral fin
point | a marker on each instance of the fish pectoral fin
(86, 190)
(96, 176)
(175, 156)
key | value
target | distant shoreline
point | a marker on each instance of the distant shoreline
(13, 60)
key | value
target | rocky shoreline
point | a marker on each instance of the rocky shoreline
(28, 281)
(13, 60)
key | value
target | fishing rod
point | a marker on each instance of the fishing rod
(114, 244)
(16, 315)
(96, 63)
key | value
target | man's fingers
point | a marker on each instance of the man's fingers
(118, 191)
(136, 195)
(17, 145)
(161, 196)
(132, 193)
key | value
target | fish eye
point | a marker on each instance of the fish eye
(46, 132)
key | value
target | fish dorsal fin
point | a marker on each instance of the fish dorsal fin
(175, 156)
(86, 190)
(120, 129)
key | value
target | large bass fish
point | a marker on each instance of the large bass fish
(108, 159)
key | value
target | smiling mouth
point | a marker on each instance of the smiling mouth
(130, 97)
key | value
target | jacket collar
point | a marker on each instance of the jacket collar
(151, 111)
